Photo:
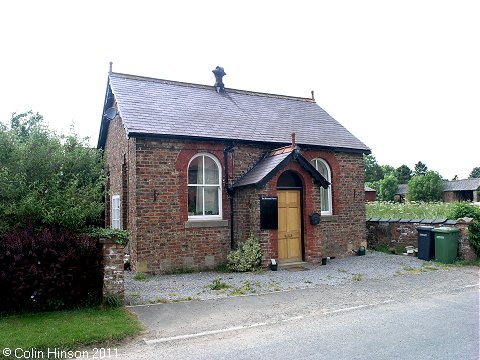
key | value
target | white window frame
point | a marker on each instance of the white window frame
(329, 179)
(115, 222)
(219, 167)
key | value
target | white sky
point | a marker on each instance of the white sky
(402, 76)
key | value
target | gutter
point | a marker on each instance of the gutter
(230, 192)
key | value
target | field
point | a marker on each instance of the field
(408, 210)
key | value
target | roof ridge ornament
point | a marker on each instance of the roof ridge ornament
(219, 73)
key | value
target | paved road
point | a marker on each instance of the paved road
(398, 318)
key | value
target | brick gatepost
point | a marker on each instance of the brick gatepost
(113, 277)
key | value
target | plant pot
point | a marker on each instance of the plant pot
(273, 267)
(361, 251)
(324, 261)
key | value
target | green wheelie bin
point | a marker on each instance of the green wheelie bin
(446, 244)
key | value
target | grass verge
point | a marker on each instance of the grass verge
(68, 330)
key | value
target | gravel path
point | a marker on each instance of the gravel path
(197, 286)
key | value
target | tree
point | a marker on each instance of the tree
(403, 174)
(387, 170)
(475, 173)
(428, 187)
(420, 169)
(386, 188)
(47, 179)
(373, 171)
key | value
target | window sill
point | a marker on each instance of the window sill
(329, 218)
(205, 223)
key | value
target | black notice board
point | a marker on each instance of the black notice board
(268, 212)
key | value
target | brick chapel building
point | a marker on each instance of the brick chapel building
(194, 169)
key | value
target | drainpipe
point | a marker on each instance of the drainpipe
(230, 192)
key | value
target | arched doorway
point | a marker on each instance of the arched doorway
(289, 192)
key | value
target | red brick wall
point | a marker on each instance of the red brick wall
(165, 238)
(120, 159)
(370, 196)
(151, 177)
(336, 235)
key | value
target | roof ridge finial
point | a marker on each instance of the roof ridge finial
(313, 95)
(110, 68)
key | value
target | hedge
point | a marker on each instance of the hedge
(49, 269)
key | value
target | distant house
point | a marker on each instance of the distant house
(461, 190)
(370, 194)
(401, 193)
(455, 190)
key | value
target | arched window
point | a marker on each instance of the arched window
(325, 194)
(204, 187)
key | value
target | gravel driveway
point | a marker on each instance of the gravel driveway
(200, 286)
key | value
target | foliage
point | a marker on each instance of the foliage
(403, 174)
(387, 170)
(409, 210)
(68, 329)
(474, 236)
(386, 188)
(139, 276)
(112, 301)
(420, 169)
(428, 187)
(475, 173)
(218, 284)
(121, 236)
(464, 209)
(358, 277)
(50, 269)
(179, 270)
(247, 257)
(47, 179)
(373, 171)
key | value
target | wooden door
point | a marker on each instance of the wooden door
(289, 226)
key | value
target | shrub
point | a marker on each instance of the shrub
(474, 236)
(247, 257)
(428, 187)
(121, 236)
(49, 269)
(464, 209)
(47, 179)
(386, 188)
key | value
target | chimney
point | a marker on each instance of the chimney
(219, 74)
(294, 144)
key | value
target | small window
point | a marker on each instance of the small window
(116, 212)
(204, 188)
(325, 194)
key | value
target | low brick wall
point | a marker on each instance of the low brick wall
(403, 232)
(113, 273)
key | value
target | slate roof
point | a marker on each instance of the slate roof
(454, 185)
(274, 161)
(461, 185)
(402, 189)
(155, 107)
(367, 188)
